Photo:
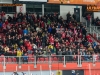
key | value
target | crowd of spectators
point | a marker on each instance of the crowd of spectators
(48, 35)
(96, 21)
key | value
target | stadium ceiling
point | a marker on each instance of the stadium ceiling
(27, 2)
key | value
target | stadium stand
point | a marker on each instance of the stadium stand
(32, 35)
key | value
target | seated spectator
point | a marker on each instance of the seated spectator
(25, 31)
(6, 48)
(90, 48)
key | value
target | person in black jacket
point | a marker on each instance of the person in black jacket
(15, 73)
(66, 55)
(37, 55)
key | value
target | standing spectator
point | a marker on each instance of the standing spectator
(9, 19)
(84, 32)
(74, 16)
(36, 56)
(70, 53)
(25, 58)
(19, 54)
(60, 55)
(88, 17)
(66, 55)
(3, 16)
(4, 28)
(68, 17)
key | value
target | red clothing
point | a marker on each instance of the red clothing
(2, 14)
(80, 36)
(25, 43)
(57, 45)
(37, 39)
(20, 32)
(42, 25)
(88, 36)
(67, 43)
(75, 31)
(52, 40)
(88, 17)
(29, 46)
(4, 26)
(74, 57)
(63, 35)
(6, 22)
(71, 39)
(90, 40)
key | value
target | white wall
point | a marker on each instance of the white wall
(96, 14)
(33, 72)
(9, 15)
(6, 1)
(64, 9)
(23, 8)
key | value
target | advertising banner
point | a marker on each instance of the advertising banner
(79, 2)
(93, 8)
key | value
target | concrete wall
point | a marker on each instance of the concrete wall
(96, 14)
(6, 1)
(9, 15)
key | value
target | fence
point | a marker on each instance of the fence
(92, 29)
(49, 59)
(57, 59)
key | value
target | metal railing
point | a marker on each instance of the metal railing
(94, 30)
(50, 59)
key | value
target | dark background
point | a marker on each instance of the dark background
(69, 72)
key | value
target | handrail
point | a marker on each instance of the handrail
(50, 59)
(95, 26)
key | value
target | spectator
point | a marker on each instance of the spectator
(36, 55)
(74, 16)
(25, 31)
(45, 35)
(19, 54)
(15, 73)
(88, 17)
(25, 58)
(60, 55)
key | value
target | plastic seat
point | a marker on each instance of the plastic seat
(62, 58)
(0, 60)
(42, 59)
(55, 59)
(14, 59)
(30, 58)
(9, 60)
(46, 59)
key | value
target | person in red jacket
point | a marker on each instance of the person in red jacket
(42, 25)
(29, 47)
(51, 40)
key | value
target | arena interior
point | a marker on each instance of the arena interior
(49, 37)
